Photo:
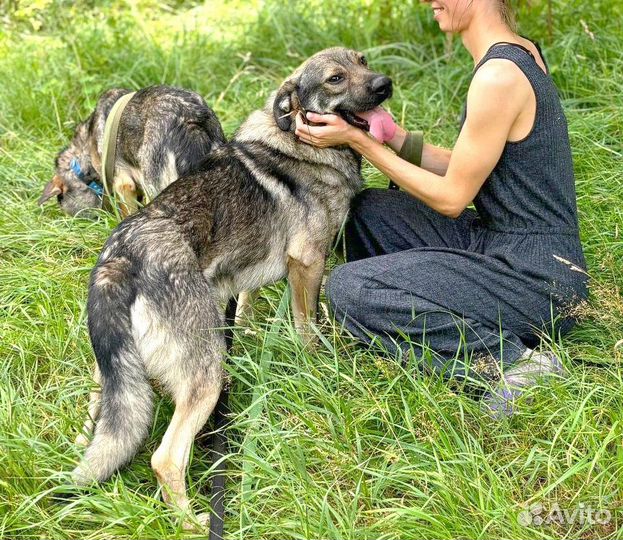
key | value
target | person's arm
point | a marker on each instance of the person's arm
(409, 145)
(436, 159)
(494, 102)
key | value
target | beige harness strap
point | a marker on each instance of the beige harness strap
(109, 149)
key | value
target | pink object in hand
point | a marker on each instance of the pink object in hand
(382, 125)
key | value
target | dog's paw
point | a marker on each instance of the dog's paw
(310, 341)
(197, 522)
(82, 440)
(204, 519)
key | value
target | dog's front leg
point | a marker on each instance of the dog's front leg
(305, 278)
(244, 309)
(125, 190)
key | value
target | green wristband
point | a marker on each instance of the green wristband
(412, 146)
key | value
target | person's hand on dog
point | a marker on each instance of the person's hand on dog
(335, 131)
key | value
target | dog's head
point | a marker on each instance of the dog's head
(336, 80)
(73, 196)
(75, 183)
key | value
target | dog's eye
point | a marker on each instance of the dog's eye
(363, 61)
(335, 79)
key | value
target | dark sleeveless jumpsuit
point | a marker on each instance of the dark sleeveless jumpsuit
(483, 286)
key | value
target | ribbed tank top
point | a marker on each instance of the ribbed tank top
(532, 187)
(527, 206)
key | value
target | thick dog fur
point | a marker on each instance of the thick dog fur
(164, 133)
(262, 207)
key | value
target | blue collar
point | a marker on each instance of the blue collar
(74, 165)
(97, 188)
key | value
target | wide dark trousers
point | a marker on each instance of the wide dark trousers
(411, 283)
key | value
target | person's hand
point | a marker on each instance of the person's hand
(382, 125)
(335, 131)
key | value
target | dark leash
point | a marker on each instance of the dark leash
(219, 441)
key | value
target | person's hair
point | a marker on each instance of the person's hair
(507, 13)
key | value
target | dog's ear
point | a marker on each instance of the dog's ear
(285, 103)
(52, 188)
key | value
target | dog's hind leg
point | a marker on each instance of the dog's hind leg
(95, 400)
(180, 338)
(192, 409)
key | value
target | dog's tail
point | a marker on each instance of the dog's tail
(127, 398)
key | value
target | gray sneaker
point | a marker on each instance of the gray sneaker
(527, 372)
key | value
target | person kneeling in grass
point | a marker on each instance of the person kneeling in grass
(421, 266)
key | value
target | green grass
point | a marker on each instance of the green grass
(344, 442)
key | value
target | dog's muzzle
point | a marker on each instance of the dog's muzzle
(382, 87)
(379, 89)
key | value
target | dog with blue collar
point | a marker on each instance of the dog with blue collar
(163, 133)
(76, 184)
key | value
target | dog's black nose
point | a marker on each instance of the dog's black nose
(381, 86)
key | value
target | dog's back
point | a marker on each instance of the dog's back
(164, 133)
(167, 132)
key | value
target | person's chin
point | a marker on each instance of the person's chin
(443, 25)
(447, 28)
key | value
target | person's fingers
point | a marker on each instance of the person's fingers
(302, 132)
(306, 131)
(301, 127)
(298, 120)
(310, 139)
(328, 119)
(315, 135)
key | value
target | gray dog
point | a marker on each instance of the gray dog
(164, 133)
(262, 207)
